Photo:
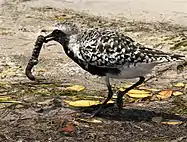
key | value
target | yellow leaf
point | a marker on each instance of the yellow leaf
(138, 93)
(165, 94)
(121, 89)
(60, 18)
(134, 91)
(177, 93)
(76, 88)
(10, 101)
(4, 98)
(82, 103)
(114, 96)
(110, 102)
(172, 122)
(180, 84)
(91, 121)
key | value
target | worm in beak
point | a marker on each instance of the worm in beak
(34, 59)
(35, 54)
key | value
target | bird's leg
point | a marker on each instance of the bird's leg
(110, 94)
(120, 94)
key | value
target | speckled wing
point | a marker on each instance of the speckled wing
(110, 49)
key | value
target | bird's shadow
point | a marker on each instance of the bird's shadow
(132, 114)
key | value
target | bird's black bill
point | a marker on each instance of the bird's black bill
(34, 58)
(48, 38)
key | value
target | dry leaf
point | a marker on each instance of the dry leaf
(134, 91)
(10, 101)
(138, 93)
(68, 128)
(4, 98)
(91, 121)
(180, 84)
(7, 100)
(76, 88)
(110, 102)
(82, 103)
(165, 94)
(177, 93)
(172, 122)
(114, 96)
(121, 89)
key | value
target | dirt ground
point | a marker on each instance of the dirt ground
(42, 114)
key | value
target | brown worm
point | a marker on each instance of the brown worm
(34, 58)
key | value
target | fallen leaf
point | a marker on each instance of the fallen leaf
(134, 91)
(60, 18)
(110, 102)
(82, 103)
(91, 121)
(165, 94)
(4, 98)
(11, 101)
(138, 93)
(121, 89)
(7, 100)
(114, 96)
(177, 93)
(180, 84)
(172, 122)
(68, 128)
(76, 88)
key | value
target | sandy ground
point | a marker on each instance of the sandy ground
(173, 11)
(158, 24)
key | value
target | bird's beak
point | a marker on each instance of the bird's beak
(49, 38)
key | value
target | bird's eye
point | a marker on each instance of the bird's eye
(56, 31)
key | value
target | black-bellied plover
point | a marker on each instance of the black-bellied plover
(105, 53)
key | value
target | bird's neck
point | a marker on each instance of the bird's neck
(73, 47)
(64, 42)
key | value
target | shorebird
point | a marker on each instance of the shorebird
(109, 54)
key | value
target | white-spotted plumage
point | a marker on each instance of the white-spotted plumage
(108, 49)
(108, 53)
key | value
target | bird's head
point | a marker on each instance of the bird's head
(62, 31)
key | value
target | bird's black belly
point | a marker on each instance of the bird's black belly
(94, 70)
(101, 71)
